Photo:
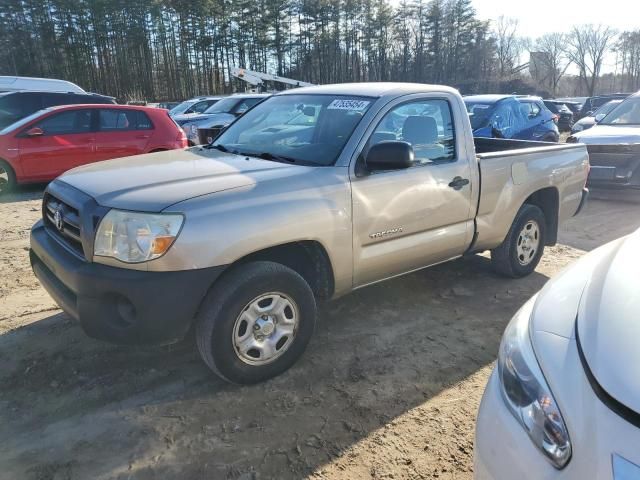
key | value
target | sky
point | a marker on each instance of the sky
(537, 17)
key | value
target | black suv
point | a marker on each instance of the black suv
(15, 106)
(565, 115)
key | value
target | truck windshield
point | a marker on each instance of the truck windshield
(479, 113)
(627, 113)
(305, 129)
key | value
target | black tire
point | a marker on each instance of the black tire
(551, 138)
(225, 302)
(7, 177)
(504, 258)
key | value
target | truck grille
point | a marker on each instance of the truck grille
(63, 222)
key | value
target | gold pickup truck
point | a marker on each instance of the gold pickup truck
(311, 194)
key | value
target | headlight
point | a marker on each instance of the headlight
(526, 393)
(577, 127)
(136, 237)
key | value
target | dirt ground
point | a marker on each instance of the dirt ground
(388, 388)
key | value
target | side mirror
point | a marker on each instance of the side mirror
(600, 116)
(309, 111)
(35, 132)
(389, 155)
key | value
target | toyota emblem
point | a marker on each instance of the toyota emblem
(57, 218)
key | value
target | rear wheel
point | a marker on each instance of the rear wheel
(7, 177)
(255, 322)
(522, 249)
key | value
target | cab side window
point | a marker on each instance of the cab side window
(426, 124)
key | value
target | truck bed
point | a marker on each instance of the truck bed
(511, 170)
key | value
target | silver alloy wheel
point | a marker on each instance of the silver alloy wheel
(265, 328)
(4, 179)
(528, 242)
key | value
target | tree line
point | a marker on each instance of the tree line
(175, 49)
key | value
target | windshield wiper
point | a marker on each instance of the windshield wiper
(277, 158)
(220, 147)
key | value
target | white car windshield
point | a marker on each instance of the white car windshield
(627, 113)
(304, 129)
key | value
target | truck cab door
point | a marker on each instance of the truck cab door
(407, 219)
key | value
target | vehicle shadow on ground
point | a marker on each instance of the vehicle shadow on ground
(24, 193)
(79, 408)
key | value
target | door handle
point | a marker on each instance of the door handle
(141, 137)
(458, 182)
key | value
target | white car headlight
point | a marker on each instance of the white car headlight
(134, 237)
(577, 127)
(526, 393)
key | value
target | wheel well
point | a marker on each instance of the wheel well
(308, 258)
(547, 200)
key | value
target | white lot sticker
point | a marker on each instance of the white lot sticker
(356, 105)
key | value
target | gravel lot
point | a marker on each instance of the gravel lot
(388, 388)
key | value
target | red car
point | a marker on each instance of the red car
(41, 146)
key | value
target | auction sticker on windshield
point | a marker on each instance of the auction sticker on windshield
(346, 104)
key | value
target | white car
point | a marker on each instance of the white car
(564, 399)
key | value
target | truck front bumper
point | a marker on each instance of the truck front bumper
(118, 304)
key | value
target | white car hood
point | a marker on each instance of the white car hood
(609, 322)
(605, 134)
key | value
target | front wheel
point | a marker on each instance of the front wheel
(522, 249)
(256, 322)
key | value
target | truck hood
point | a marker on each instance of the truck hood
(609, 322)
(154, 181)
(605, 134)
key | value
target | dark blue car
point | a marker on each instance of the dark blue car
(509, 116)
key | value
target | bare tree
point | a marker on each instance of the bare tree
(588, 46)
(508, 45)
(628, 49)
(554, 59)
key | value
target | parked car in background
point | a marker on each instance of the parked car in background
(589, 121)
(575, 107)
(510, 117)
(563, 113)
(563, 401)
(313, 193)
(15, 84)
(41, 146)
(614, 146)
(218, 116)
(193, 105)
(168, 105)
(591, 104)
(15, 106)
